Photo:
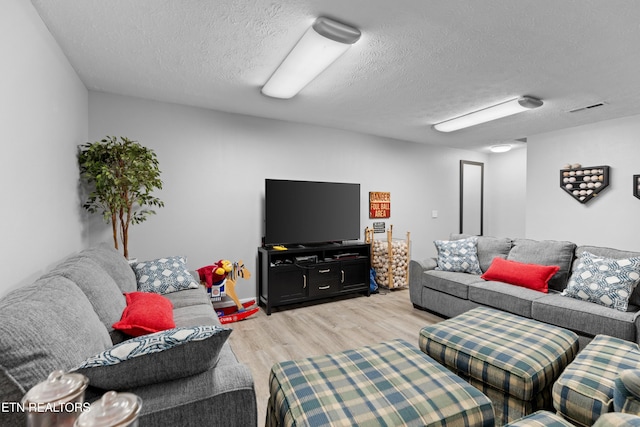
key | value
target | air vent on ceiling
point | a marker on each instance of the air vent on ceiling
(588, 107)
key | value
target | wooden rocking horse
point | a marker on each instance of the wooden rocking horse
(242, 310)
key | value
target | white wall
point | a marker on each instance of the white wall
(44, 117)
(214, 165)
(611, 218)
(506, 193)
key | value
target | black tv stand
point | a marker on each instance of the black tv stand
(306, 273)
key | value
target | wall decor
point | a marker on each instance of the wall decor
(584, 183)
(636, 186)
(379, 204)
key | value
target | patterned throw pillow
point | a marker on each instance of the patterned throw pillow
(458, 255)
(154, 358)
(605, 281)
(164, 275)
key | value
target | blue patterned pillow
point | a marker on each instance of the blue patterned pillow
(164, 275)
(605, 281)
(458, 255)
(154, 358)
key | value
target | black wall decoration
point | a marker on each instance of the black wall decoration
(584, 183)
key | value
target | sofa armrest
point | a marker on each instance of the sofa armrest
(416, 273)
(626, 394)
(427, 264)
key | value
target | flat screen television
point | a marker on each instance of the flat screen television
(308, 212)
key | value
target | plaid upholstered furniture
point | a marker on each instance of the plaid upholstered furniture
(586, 389)
(511, 359)
(541, 419)
(387, 384)
(618, 419)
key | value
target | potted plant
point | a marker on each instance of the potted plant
(121, 175)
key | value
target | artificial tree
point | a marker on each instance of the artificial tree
(121, 175)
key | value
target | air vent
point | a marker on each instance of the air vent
(588, 107)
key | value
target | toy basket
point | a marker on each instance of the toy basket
(390, 259)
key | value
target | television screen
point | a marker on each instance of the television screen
(301, 212)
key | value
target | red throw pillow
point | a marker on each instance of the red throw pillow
(145, 313)
(532, 276)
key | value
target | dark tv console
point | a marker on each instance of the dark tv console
(305, 273)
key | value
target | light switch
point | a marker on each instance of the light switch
(434, 214)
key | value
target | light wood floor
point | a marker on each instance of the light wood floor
(335, 326)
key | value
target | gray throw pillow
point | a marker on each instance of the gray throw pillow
(546, 252)
(155, 358)
(114, 263)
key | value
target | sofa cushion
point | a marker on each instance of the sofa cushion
(513, 299)
(189, 297)
(99, 287)
(145, 313)
(46, 326)
(605, 281)
(616, 254)
(201, 314)
(531, 276)
(488, 248)
(114, 263)
(154, 358)
(164, 275)
(458, 255)
(456, 284)
(584, 317)
(546, 252)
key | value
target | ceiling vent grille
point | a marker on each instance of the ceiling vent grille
(588, 107)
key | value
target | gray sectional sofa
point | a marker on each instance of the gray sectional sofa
(66, 317)
(449, 293)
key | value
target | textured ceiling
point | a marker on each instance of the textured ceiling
(418, 62)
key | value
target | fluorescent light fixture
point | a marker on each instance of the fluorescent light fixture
(494, 112)
(500, 148)
(324, 42)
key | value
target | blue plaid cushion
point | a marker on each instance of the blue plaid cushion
(541, 419)
(519, 358)
(626, 393)
(617, 419)
(585, 389)
(390, 384)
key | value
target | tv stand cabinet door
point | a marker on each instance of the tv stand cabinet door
(355, 275)
(287, 284)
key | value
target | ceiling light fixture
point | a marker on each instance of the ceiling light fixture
(324, 42)
(500, 148)
(494, 112)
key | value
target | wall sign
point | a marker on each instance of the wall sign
(379, 204)
(379, 227)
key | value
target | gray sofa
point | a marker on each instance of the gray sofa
(65, 317)
(451, 293)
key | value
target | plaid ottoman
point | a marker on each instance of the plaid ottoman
(585, 389)
(618, 419)
(541, 419)
(511, 359)
(387, 384)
